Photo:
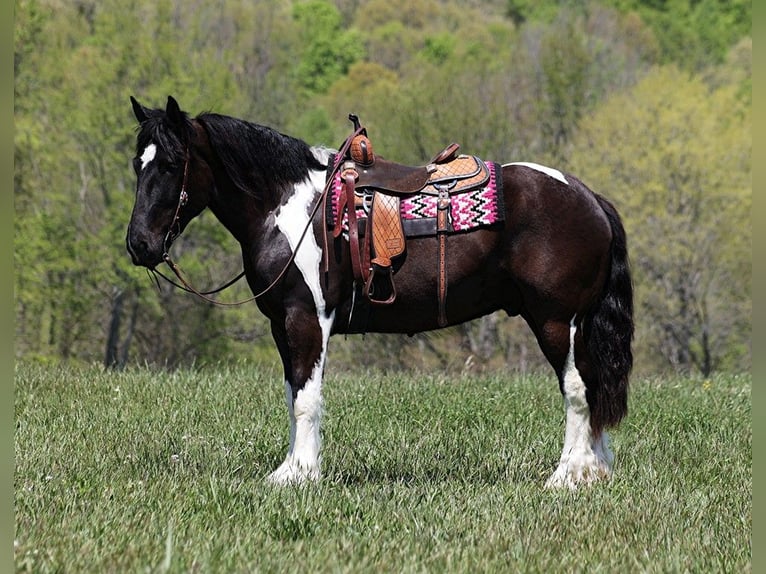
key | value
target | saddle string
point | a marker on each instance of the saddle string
(183, 199)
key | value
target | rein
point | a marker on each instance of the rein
(172, 235)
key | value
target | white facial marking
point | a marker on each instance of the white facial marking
(302, 461)
(584, 459)
(148, 155)
(554, 173)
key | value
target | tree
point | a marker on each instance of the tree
(674, 155)
(327, 50)
(78, 295)
(422, 74)
(694, 34)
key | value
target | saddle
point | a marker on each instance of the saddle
(380, 185)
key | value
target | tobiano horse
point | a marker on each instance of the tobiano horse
(557, 257)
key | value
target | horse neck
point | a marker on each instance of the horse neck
(234, 209)
(242, 215)
(266, 179)
(234, 214)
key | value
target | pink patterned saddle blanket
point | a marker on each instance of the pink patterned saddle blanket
(469, 209)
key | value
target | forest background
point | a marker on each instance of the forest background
(648, 102)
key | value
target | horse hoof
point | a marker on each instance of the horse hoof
(572, 474)
(292, 474)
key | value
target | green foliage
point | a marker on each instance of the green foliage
(695, 34)
(392, 44)
(416, 16)
(522, 11)
(565, 63)
(691, 33)
(511, 84)
(675, 156)
(368, 90)
(327, 51)
(128, 471)
(438, 48)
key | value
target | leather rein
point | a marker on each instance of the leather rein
(174, 231)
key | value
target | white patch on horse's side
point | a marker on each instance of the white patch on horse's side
(584, 459)
(554, 173)
(148, 155)
(302, 460)
(291, 219)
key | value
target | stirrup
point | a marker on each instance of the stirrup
(369, 286)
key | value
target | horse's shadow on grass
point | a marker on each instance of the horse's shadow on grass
(428, 474)
(353, 465)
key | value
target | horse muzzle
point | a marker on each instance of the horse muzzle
(143, 252)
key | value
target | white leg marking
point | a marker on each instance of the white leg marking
(585, 458)
(302, 460)
(148, 155)
(554, 173)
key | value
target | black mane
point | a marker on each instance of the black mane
(156, 129)
(258, 158)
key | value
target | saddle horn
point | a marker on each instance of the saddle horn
(357, 124)
(361, 146)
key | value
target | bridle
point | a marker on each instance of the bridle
(183, 199)
(174, 231)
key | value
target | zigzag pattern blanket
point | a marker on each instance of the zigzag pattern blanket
(469, 210)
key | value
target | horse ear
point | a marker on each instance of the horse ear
(141, 113)
(173, 111)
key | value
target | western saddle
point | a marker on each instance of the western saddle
(363, 174)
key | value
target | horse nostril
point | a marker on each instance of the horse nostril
(138, 250)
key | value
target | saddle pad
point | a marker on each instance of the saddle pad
(474, 208)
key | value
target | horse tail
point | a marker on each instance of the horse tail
(608, 330)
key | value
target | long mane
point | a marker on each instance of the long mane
(258, 159)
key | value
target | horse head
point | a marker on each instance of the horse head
(173, 181)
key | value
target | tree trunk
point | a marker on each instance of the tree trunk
(111, 359)
(123, 358)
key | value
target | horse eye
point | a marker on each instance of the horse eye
(166, 166)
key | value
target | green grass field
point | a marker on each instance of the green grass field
(148, 471)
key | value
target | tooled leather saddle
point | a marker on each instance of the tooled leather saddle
(376, 187)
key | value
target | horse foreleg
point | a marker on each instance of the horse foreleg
(305, 411)
(304, 353)
(586, 456)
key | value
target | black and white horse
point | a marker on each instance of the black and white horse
(558, 258)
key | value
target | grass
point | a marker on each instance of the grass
(147, 471)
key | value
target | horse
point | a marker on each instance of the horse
(558, 259)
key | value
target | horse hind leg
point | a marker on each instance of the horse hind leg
(586, 456)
